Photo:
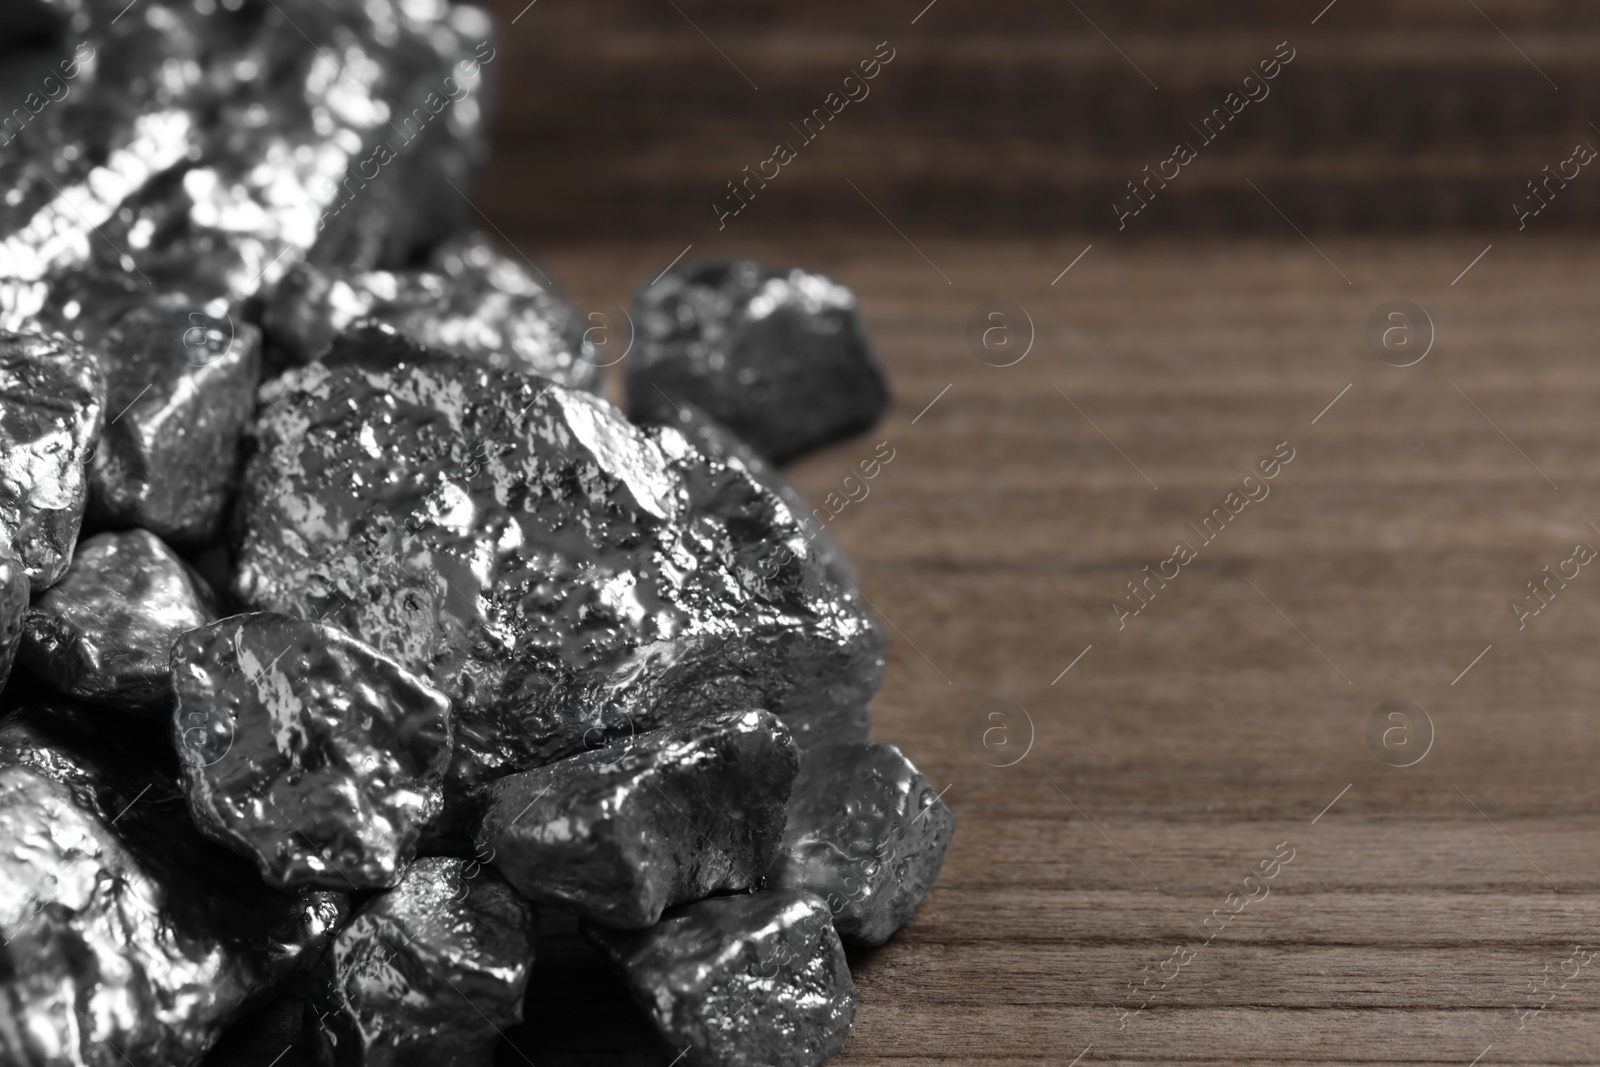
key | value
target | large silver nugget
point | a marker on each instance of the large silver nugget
(306, 750)
(778, 354)
(52, 400)
(672, 815)
(428, 973)
(565, 576)
(867, 833)
(127, 937)
(181, 387)
(746, 981)
(473, 300)
(104, 632)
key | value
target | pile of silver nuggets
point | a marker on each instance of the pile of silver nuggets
(353, 628)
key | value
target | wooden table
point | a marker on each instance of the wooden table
(1232, 714)
(625, 119)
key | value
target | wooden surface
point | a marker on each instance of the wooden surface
(627, 118)
(1419, 907)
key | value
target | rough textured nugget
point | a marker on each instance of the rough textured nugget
(429, 972)
(561, 573)
(104, 632)
(306, 750)
(667, 817)
(777, 354)
(758, 980)
(867, 833)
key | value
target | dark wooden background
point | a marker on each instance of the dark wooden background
(1428, 908)
(621, 119)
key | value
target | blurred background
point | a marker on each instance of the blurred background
(626, 118)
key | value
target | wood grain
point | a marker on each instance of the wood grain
(627, 118)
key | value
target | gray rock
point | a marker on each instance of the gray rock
(473, 301)
(52, 400)
(180, 389)
(104, 632)
(563, 575)
(867, 833)
(429, 972)
(306, 750)
(778, 354)
(670, 816)
(125, 937)
(746, 981)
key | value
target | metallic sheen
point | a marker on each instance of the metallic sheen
(428, 973)
(208, 147)
(834, 724)
(104, 631)
(778, 354)
(867, 833)
(747, 981)
(670, 816)
(717, 443)
(306, 750)
(472, 300)
(821, 723)
(563, 575)
(52, 401)
(128, 938)
(180, 389)
(13, 608)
